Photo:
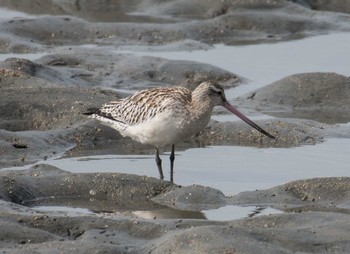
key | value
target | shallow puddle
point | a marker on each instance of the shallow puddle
(64, 210)
(231, 169)
(233, 212)
(6, 13)
(226, 213)
(265, 63)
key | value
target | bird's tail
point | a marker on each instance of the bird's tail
(91, 111)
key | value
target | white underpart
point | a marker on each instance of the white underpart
(165, 128)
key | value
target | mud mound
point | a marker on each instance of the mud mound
(323, 97)
(234, 22)
(318, 194)
(112, 226)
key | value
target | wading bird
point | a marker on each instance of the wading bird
(166, 115)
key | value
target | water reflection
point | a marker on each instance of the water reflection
(258, 210)
(233, 212)
(63, 209)
(74, 204)
(221, 214)
(169, 214)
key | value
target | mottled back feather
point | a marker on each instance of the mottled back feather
(145, 104)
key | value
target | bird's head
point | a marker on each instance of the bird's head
(216, 95)
(211, 91)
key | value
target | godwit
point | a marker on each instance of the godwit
(166, 116)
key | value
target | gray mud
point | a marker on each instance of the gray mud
(322, 97)
(320, 225)
(41, 106)
(230, 22)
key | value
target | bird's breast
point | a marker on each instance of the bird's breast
(167, 128)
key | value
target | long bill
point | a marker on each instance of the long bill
(235, 111)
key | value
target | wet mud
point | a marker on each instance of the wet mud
(315, 219)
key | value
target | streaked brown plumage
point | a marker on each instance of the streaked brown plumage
(166, 116)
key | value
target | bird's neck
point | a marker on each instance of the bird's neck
(200, 106)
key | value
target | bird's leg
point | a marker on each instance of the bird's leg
(172, 158)
(159, 164)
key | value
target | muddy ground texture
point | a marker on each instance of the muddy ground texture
(41, 105)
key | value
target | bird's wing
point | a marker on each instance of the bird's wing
(145, 104)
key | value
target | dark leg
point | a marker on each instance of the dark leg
(172, 158)
(159, 164)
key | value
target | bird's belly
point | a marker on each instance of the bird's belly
(165, 129)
